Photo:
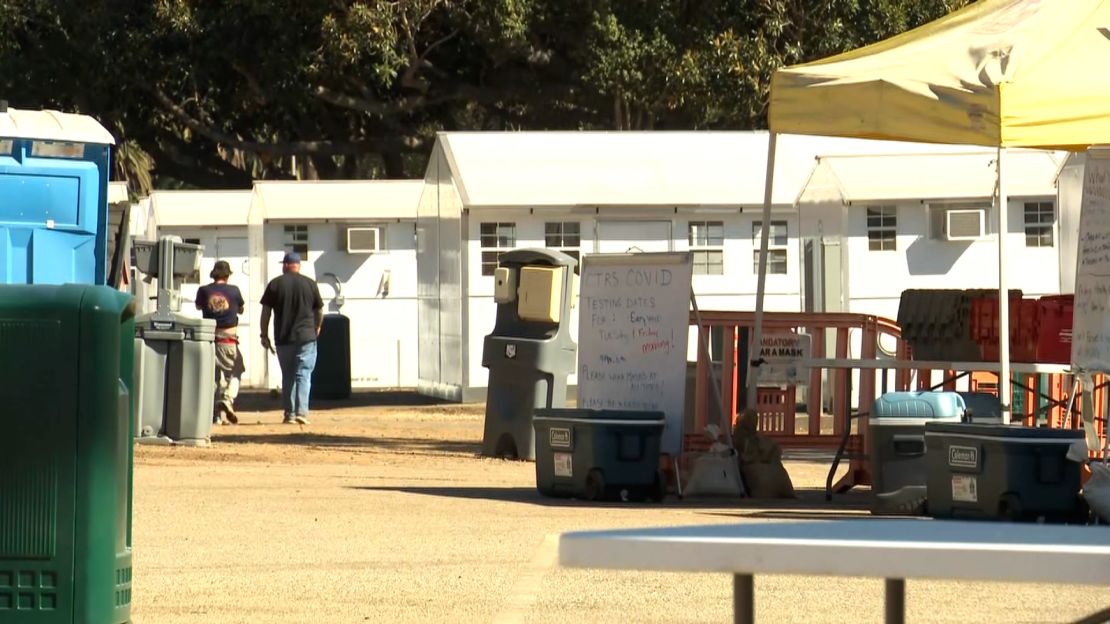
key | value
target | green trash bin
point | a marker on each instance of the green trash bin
(599, 454)
(65, 454)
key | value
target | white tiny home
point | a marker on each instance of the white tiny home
(356, 238)
(587, 192)
(873, 226)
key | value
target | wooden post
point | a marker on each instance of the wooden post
(924, 378)
(816, 390)
(902, 375)
(866, 387)
(841, 414)
(868, 351)
(949, 381)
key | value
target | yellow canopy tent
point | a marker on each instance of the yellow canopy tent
(1000, 73)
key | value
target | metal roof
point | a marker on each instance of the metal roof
(498, 169)
(117, 192)
(51, 125)
(346, 200)
(1028, 173)
(200, 208)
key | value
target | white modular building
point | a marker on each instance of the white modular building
(873, 226)
(601, 192)
(356, 238)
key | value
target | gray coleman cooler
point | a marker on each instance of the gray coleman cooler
(1001, 472)
(175, 366)
(897, 428)
(599, 454)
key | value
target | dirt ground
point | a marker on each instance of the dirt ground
(385, 513)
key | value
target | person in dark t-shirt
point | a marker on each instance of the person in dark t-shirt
(224, 303)
(298, 310)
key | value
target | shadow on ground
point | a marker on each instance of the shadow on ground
(809, 504)
(512, 494)
(341, 442)
(266, 401)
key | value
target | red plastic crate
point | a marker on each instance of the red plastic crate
(1023, 328)
(1054, 322)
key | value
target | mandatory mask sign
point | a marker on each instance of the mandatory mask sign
(633, 325)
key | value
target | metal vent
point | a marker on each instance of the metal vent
(363, 239)
(964, 224)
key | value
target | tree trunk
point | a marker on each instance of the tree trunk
(394, 164)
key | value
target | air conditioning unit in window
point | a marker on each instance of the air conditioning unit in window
(363, 239)
(964, 225)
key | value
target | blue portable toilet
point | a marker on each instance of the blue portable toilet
(53, 197)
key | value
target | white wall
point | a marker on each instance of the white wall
(1069, 201)
(220, 243)
(734, 290)
(877, 278)
(383, 327)
(441, 314)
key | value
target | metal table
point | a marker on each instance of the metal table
(891, 549)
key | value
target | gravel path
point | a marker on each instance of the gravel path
(386, 514)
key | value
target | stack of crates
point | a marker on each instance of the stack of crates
(1023, 323)
(1053, 328)
(935, 323)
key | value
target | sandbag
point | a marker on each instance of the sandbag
(760, 460)
(714, 473)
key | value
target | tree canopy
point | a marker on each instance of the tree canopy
(216, 94)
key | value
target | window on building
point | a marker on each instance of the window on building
(776, 247)
(496, 238)
(295, 238)
(1039, 217)
(707, 240)
(882, 228)
(566, 236)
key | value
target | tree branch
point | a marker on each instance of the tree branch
(288, 148)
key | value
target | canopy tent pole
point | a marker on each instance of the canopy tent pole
(761, 284)
(1004, 392)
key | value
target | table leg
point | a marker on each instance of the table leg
(895, 601)
(743, 598)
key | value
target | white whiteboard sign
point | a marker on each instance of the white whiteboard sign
(783, 355)
(634, 319)
(1090, 347)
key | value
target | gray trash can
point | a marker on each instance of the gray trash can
(176, 366)
(599, 454)
(530, 352)
(175, 357)
(897, 424)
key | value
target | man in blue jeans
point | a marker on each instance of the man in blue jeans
(298, 313)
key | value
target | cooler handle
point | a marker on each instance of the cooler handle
(909, 445)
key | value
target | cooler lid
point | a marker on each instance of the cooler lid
(903, 421)
(918, 406)
(1016, 432)
(596, 414)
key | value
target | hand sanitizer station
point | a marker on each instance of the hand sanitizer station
(530, 353)
(175, 357)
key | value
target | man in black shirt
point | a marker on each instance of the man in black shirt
(298, 313)
(223, 303)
